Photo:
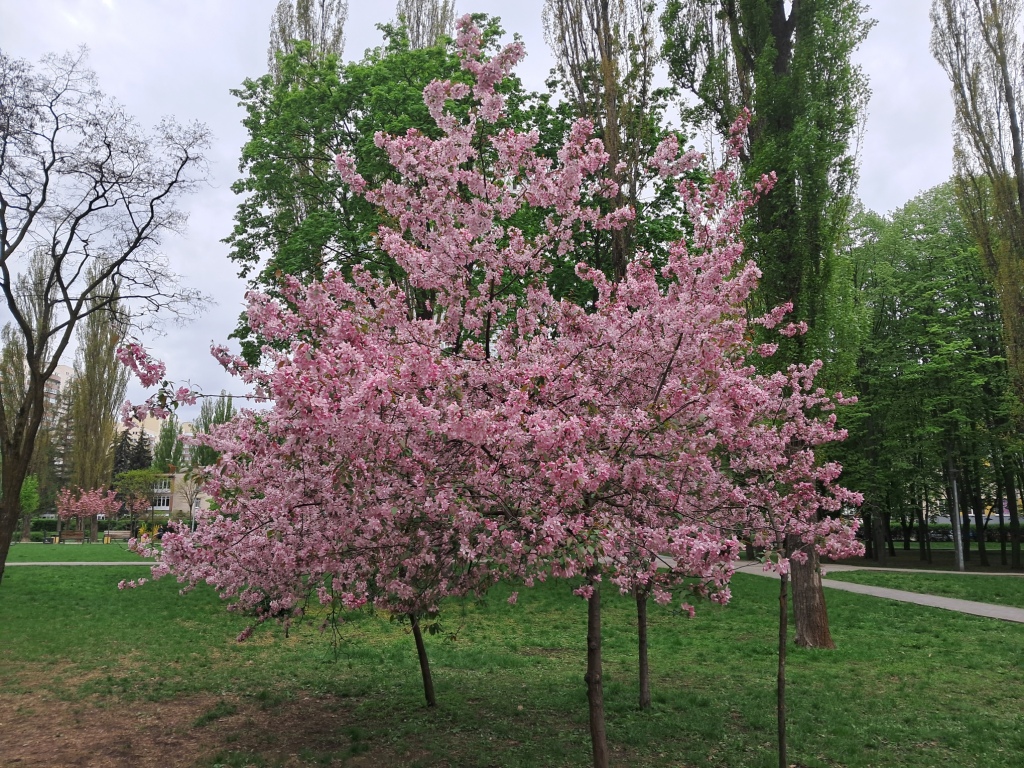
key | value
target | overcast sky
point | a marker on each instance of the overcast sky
(182, 57)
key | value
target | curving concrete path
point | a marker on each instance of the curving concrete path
(987, 610)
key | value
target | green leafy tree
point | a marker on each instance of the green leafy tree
(789, 64)
(978, 43)
(134, 490)
(96, 392)
(295, 219)
(318, 23)
(212, 412)
(30, 500)
(426, 22)
(168, 451)
(932, 381)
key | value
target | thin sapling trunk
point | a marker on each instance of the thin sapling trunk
(421, 651)
(641, 624)
(593, 678)
(780, 705)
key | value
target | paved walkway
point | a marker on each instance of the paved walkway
(988, 610)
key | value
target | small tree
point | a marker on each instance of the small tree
(134, 490)
(29, 503)
(169, 448)
(410, 457)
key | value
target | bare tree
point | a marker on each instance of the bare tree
(190, 487)
(85, 196)
(606, 52)
(978, 44)
(426, 21)
(320, 22)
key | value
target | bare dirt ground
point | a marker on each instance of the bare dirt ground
(39, 730)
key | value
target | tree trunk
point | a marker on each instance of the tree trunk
(1011, 505)
(907, 528)
(888, 542)
(878, 535)
(13, 472)
(421, 651)
(641, 627)
(927, 517)
(922, 532)
(780, 685)
(964, 501)
(978, 506)
(593, 678)
(809, 608)
(869, 535)
(1000, 491)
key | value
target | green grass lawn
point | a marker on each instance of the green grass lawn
(908, 686)
(116, 551)
(1001, 590)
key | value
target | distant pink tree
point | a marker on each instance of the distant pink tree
(79, 504)
(413, 455)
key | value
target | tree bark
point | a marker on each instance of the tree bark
(888, 540)
(978, 506)
(12, 476)
(1000, 491)
(421, 651)
(594, 676)
(809, 610)
(780, 680)
(869, 535)
(922, 532)
(881, 551)
(1011, 505)
(641, 625)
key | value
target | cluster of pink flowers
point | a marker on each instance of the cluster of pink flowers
(409, 458)
(79, 503)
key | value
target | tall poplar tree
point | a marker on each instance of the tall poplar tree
(605, 53)
(979, 45)
(426, 21)
(167, 452)
(789, 62)
(321, 23)
(96, 392)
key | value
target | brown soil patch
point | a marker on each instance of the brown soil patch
(38, 730)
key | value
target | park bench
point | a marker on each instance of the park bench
(118, 535)
(78, 536)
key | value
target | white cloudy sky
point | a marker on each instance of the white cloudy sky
(181, 58)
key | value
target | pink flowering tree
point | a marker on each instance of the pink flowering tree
(79, 504)
(432, 435)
